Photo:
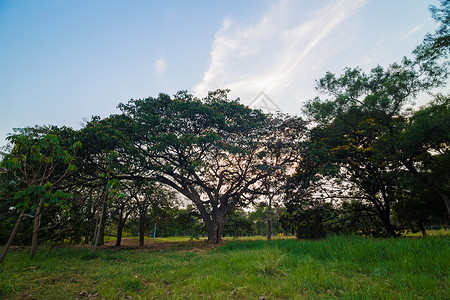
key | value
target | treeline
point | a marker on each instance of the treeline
(360, 160)
(217, 153)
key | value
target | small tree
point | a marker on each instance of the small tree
(38, 164)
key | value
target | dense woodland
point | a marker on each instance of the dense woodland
(360, 159)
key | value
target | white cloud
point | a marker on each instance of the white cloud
(277, 54)
(160, 66)
(414, 30)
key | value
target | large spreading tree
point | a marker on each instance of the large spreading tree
(214, 151)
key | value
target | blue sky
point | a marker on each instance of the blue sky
(63, 61)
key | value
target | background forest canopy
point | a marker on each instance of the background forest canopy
(362, 159)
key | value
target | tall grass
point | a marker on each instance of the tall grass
(337, 267)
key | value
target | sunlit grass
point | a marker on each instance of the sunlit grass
(178, 239)
(433, 232)
(338, 267)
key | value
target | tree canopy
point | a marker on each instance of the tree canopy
(212, 150)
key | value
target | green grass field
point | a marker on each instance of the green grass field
(338, 267)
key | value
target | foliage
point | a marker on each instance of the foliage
(364, 162)
(187, 223)
(308, 221)
(38, 164)
(237, 224)
(363, 138)
(439, 42)
(212, 150)
(258, 218)
(35, 167)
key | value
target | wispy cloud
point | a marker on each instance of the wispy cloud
(414, 30)
(160, 66)
(278, 53)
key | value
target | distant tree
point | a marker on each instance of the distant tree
(154, 204)
(188, 222)
(238, 224)
(258, 218)
(307, 221)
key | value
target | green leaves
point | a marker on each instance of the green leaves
(439, 42)
(364, 136)
(77, 145)
(71, 168)
(37, 162)
(29, 197)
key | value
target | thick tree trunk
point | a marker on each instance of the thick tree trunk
(215, 220)
(97, 236)
(119, 236)
(215, 230)
(11, 238)
(384, 213)
(36, 223)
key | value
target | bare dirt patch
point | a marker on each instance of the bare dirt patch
(149, 245)
(133, 244)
